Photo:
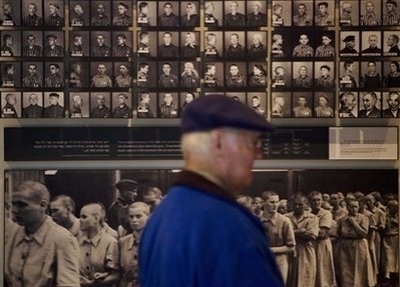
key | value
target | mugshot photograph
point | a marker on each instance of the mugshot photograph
(54, 75)
(168, 14)
(213, 44)
(348, 13)
(348, 105)
(213, 74)
(281, 13)
(32, 13)
(11, 43)
(349, 74)
(54, 44)
(168, 44)
(122, 105)
(390, 14)
(391, 45)
(370, 13)
(281, 104)
(302, 75)
(234, 14)
(32, 44)
(32, 105)
(256, 101)
(146, 44)
(302, 45)
(10, 105)
(324, 13)
(235, 75)
(185, 99)
(256, 44)
(101, 73)
(147, 105)
(350, 44)
(100, 12)
(256, 14)
(234, 44)
(324, 104)
(369, 105)
(391, 105)
(302, 105)
(146, 74)
(371, 43)
(303, 13)
(143, 14)
(122, 13)
(78, 74)
(213, 14)
(10, 13)
(54, 13)
(280, 44)
(190, 14)
(79, 105)
(168, 74)
(189, 77)
(79, 13)
(100, 44)
(123, 75)
(324, 75)
(257, 75)
(10, 74)
(54, 105)
(281, 74)
(168, 105)
(79, 44)
(122, 44)
(32, 74)
(392, 73)
(100, 105)
(190, 44)
(325, 44)
(371, 72)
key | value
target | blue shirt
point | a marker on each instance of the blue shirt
(199, 236)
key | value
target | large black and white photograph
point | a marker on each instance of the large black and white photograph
(341, 225)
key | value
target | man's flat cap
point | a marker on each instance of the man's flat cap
(126, 185)
(54, 95)
(323, 4)
(218, 111)
(391, 2)
(51, 36)
(124, 5)
(349, 38)
(55, 5)
(325, 67)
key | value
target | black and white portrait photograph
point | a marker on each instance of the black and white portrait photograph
(370, 104)
(100, 105)
(10, 74)
(168, 44)
(146, 74)
(324, 105)
(302, 45)
(101, 74)
(54, 75)
(281, 74)
(257, 102)
(324, 44)
(234, 13)
(10, 43)
(32, 43)
(122, 105)
(100, 44)
(190, 44)
(146, 105)
(146, 14)
(281, 13)
(213, 14)
(302, 77)
(79, 74)
(302, 105)
(281, 44)
(281, 103)
(168, 105)
(100, 12)
(302, 13)
(32, 75)
(370, 13)
(213, 75)
(213, 44)
(371, 43)
(146, 44)
(79, 13)
(324, 75)
(349, 13)
(186, 98)
(168, 74)
(391, 43)
(10, 13)
(234, 44)
(256, 13)
(189, 14)
(122, 44)
(256, 43)
(348, 104)
(122, 14)
(391, 104)
(236, 75)
(168, 14)
(123, 75)
(54, 44)
(79, 105)
(11, 104)
(32, 13)
(54, 105)
(257, 75)
(79, 45)
(391, 70)
(349, 43)
(371, 74)
(54, 13)
(189, 75)
(324, 13)
(32, 105)
(349, 74)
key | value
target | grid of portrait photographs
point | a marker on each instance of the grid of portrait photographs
(148, 59)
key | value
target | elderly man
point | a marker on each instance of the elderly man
(41, 253)
(220, 242)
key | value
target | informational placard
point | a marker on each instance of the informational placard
(363, 143)
(161, 143)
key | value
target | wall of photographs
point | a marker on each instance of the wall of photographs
(147, 59)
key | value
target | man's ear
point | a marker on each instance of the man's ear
(44, 204)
